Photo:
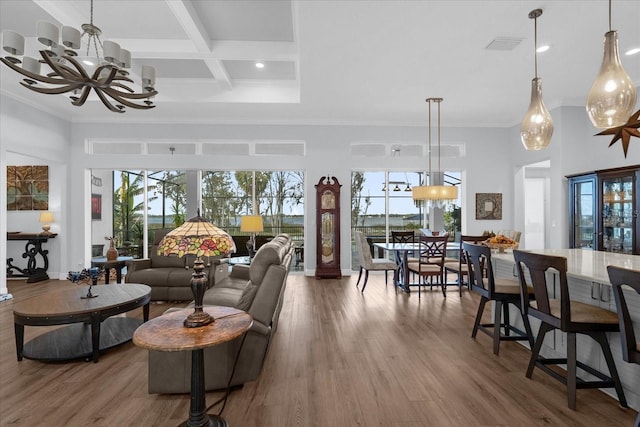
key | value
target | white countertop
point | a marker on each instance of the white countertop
(584, 264)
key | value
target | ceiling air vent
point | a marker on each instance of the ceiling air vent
(503, 43)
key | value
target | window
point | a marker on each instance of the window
(382, 201)
(278, 196)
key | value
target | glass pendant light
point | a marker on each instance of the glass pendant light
(613, 94)
(537, 126)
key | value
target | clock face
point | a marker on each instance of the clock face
(328, 200)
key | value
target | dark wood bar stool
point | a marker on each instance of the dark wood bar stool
(502, 291)
(620, 277)
(572, 317)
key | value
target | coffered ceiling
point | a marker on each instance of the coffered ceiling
(338, 62)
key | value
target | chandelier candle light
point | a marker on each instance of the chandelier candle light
(106, 74)
(537, 126)
(613, 95)
(198, 237)
(435, 195)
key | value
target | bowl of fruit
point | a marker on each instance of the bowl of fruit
(501, 242)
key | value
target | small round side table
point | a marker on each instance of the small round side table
(167, 333)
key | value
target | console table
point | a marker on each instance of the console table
(32, 249)
(167, 333)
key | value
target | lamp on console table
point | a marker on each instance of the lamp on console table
(45, 218)
(198, 237)
(251, 224)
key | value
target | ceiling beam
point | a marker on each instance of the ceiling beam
(188, 19)
(62, 12)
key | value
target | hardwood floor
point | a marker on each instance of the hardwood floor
(339, 358)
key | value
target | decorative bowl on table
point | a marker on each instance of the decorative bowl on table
(500, 242)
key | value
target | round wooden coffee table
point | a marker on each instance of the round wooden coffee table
(167, 333)
(86, 317)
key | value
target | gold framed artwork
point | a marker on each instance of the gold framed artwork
(28, 188)
(488, 205)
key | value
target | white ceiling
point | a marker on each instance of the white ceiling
(338, 62)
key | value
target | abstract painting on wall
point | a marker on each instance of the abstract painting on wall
(27, 188)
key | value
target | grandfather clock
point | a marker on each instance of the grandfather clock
(328, 228)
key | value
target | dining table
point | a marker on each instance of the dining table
(401, 253)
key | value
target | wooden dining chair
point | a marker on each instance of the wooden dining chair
(502, 291)
(569, 316)
(430, 263)
(368, 263)
(459, 266)
(619, 278)
(404, 237)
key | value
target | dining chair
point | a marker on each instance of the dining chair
(502, 291)
(430, 263)
(619, 278)
(368, 263)
(569, 316)
(403, 237)
(459, 266)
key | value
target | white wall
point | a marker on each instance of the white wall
(29, 136)
(493, 157)
(328, 153)
(574, 149)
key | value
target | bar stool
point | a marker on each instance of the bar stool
(569, 316)
(502, 291)
(630, 346)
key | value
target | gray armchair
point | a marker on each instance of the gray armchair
(170, 276)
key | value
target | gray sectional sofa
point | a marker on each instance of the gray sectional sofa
(257, 289)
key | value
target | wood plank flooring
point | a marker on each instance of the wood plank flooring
(339, 358)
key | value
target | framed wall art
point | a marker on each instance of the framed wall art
(488, 205)
(28, 188)
(96, 206)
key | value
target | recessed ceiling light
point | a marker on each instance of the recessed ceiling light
(543, 48)
(633, 51)
(259, 65)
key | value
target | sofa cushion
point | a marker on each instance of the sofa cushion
(161, 277)
(160, 261)
(246, 299)
(269, 254)
(179, 277)
(228, 297)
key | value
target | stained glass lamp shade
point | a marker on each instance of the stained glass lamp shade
(198, 237)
